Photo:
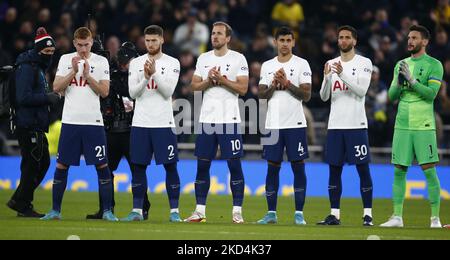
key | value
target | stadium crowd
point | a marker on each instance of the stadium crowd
(382, 27)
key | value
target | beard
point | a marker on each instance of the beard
(416, 49)
(218, 46)
(346, 50)
(154, 52)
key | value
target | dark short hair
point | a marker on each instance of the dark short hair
(283, 31)
(422, 29)
(229, 30)
(350, 29)
(154, 30)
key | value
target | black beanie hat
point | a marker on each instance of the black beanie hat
(127, 52)
(43, 40)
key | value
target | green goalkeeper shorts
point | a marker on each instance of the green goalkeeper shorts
(409, 145)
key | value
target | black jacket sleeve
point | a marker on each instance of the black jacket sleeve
(25, 80)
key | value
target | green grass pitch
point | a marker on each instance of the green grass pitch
(218, 227)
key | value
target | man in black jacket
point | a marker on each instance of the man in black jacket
(33, 99)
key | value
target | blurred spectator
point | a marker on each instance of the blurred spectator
(66, 22)
(440, 48)
(187, 61)
(385, 59)
(113, 45)
(311, 130)
(5, 58)
(9, 26)
(192, 35)
(215, 12)
(260, 50)
(31, 10)
(44, 18)
(329, 46)
(380, 28)
(444, 94)
(288, 13)
(441, 14)
(255, 73)
(376, 109)
(242, 18)
(159, 12)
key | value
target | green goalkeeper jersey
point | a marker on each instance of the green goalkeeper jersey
(416, 107)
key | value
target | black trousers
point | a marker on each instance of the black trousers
(119, 147)
(34, 166)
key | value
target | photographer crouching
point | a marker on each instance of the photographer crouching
(117, 110)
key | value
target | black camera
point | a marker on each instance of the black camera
(116, 118)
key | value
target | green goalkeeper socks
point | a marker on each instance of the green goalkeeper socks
(399, 191)
(434, 191)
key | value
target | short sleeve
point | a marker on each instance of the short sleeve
(104, 72)
(199, 68)
(305, 76)
(263, 78)
(64, 68)
(367, 68)
(243, 67)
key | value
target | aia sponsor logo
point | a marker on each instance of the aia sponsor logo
(339, 86)
(80, 82)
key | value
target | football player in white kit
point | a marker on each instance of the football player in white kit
(346, 82)
(286, 83)
(82, 76)
(152, 80)
(222, 75)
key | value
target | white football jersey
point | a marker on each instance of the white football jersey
(154, 96)
(82, 104)
(220, 105)
(348, 93)
(285, 111)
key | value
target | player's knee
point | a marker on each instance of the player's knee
(428, 166)
(203, 166)
(101, 167)
(61, 166)
(234, 165)
(170, 167)
(402, 168)
(275, 164)
(298, 162)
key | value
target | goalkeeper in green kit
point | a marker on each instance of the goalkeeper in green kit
(416, 84)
